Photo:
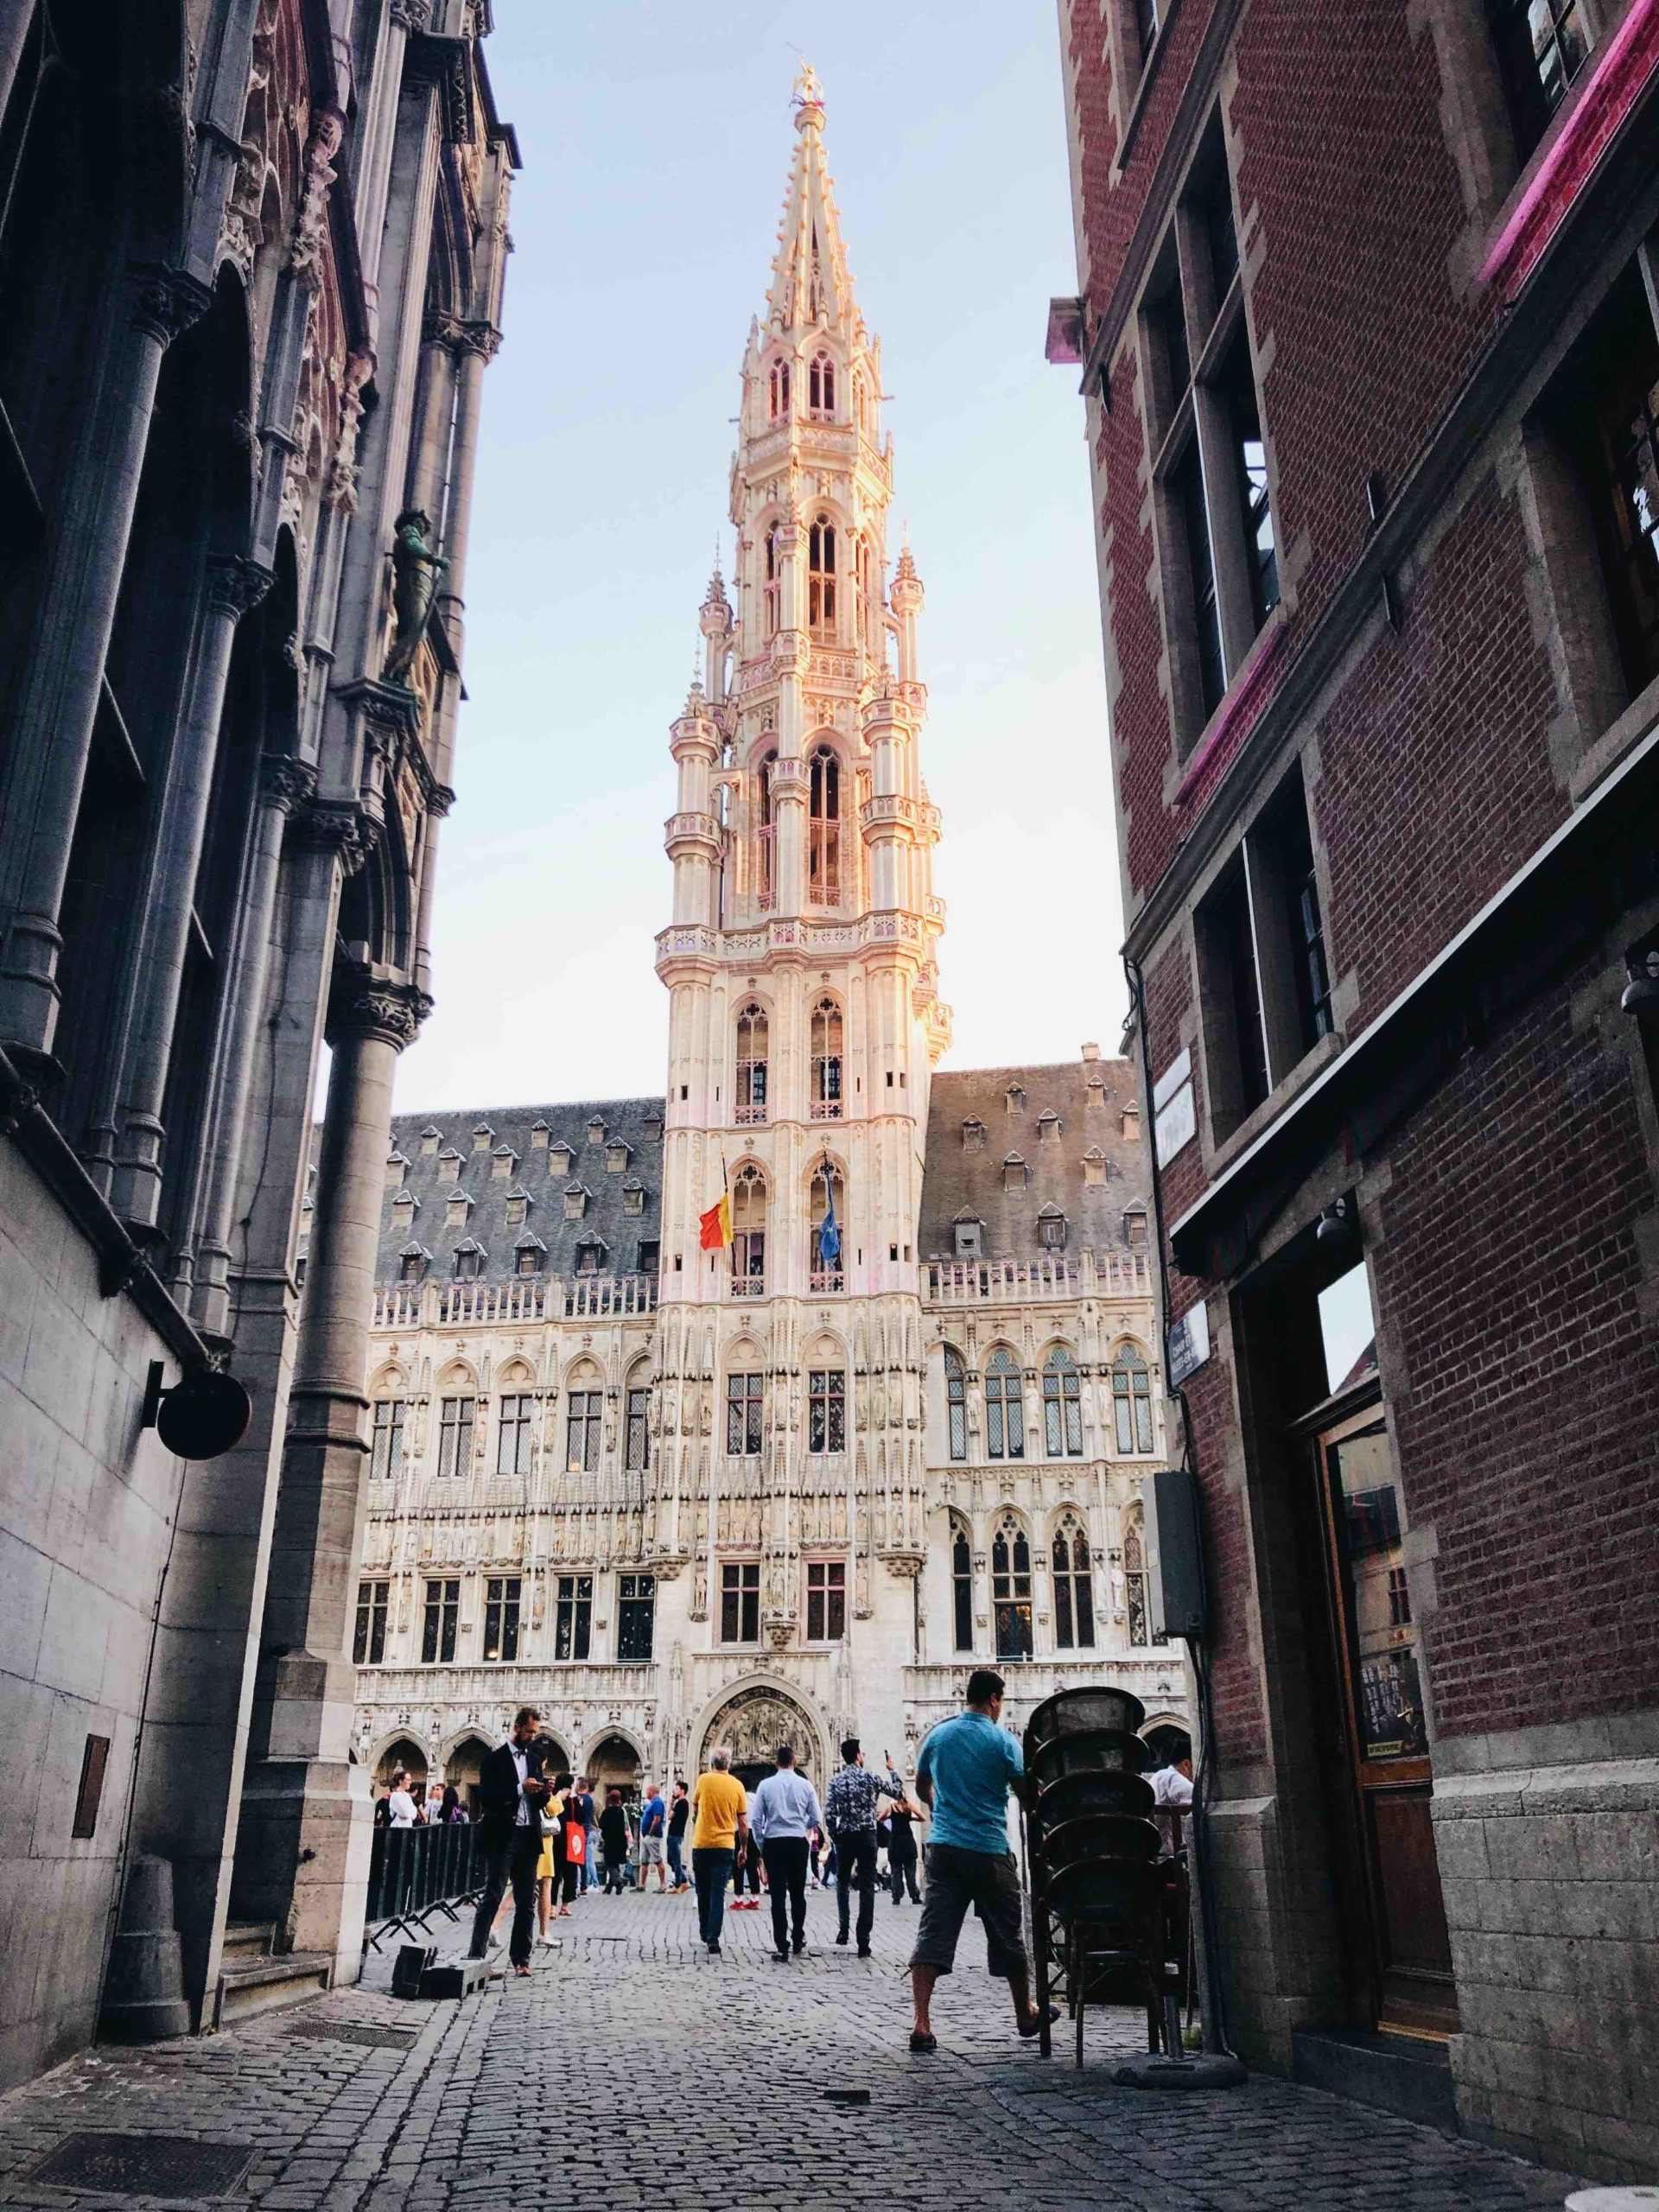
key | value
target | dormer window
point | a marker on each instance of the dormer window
(1134, 1228)
(1094, 1167)
(397, 1164)
(973, 1135)
(1048, 1129)
(560, 1158)
(616, 1157)
(651, 1128)
(778, 391)
(403, 1206)
(539, 1133)
(430, 1140)
(457, 1206)
(518, 1209)
(1132, 1122)
(1050, 1230)
(1015, 1174)
(412, 1263)
(503, 1160)
(596, 1129)
(821, 385)
(530, 1255)
(1013, 1099)
(483, 1137)
(969, 1238)
(467, 1257)
(449, 1157)
(575, 1201)
(590, 1258)
(1096, 1091)
(634, 1197)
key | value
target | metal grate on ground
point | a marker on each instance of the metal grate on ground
(356, 2031)
(175, 2166)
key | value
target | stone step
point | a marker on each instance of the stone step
(249, 1986)
(248, 1939)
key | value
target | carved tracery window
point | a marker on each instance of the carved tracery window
(820, 577)
(752, 1036)
(821, 385)
(778, 390)
(824, 830)
(826, 1061)
(1074, 1596)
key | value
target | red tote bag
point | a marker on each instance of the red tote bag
(575, 1842)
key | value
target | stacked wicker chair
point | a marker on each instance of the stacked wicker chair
(1107, 1918)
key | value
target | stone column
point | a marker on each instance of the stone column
(233, 586)
(302, 1852)
(285, 783)
(54, 711)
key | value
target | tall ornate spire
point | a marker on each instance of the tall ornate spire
(811, 284)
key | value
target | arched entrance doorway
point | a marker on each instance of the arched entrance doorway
(614, 1765)
(754, 1723)
(403, 1751)
(461, 1767)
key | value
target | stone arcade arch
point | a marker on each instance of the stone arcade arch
(754, 1719)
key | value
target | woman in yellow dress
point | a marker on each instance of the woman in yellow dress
(547, 1865)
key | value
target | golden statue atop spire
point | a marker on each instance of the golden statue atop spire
(809, 93)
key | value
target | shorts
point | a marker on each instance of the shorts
(651, 1851)
(989, 1882)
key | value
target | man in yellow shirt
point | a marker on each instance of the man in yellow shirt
(720, 1809)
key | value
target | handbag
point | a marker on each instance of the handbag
(576, 1843)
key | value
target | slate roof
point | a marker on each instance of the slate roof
(462, 1161)
(1088, 1098)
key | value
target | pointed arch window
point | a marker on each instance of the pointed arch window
(748, 1233)
(1005, 1419)
(820, 577)
(824, 830)
(1135, 1584)
(1061, 1407)
(772, 578)
(821, 385)
(962, 1585)
(864, 570)
(1132, 1402)
(1011, 1588)
(766, 871)
(751, 1045)
(778, 390)
(826, 1266)
(1074, 1593)
(826, 1061)
(956, 1401)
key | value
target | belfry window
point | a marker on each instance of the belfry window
(821, 385)
(827, 1194)
(771, 579)
(826, 1061)
(1074, 1599)
(820, 577)
(751, 1035)
(766, 868)
(1005, 1421)
(956, 1401)
(1011, 1589)
(748, 1233)
(824, 830)
(778, 391)
(962, 1585)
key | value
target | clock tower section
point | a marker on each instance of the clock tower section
(804, 1025)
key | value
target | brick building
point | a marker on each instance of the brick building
(1366, 326)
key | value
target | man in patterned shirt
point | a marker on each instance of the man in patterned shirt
(850, 1809)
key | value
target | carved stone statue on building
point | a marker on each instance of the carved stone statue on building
(414, 572)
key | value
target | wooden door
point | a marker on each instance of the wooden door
(1379, 1675)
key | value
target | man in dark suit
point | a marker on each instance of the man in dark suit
(512, 1791)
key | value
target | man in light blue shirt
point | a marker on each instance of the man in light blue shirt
(967, 1768)
(782, 1816)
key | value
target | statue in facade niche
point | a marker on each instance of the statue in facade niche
(414, 572)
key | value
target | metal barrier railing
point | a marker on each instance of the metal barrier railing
(414, 1873)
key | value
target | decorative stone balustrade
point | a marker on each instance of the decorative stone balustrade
(1016, 1282)
(449, 1304)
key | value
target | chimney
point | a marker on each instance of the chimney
(1091, 1052)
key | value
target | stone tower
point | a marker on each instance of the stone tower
(805, 1023)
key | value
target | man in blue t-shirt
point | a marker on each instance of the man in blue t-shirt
(967, 1768)
(653, 1815)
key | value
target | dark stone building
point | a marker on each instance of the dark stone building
(253, 255)
(1366, 326)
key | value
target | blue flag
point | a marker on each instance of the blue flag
(829, 1234)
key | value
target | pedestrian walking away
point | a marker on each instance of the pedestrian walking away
(967, 1768)
(615, 1838)
(746, 1873)
(719, 1803)
(653, 1818)
(510, 1788)
(570, 1836)
(581, 1805)
(901, 1839)
(783, 1815)
(679, 1814)
(850, 1811)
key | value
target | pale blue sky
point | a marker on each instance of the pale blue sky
(657, 141)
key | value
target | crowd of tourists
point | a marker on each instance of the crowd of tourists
(548, 1840)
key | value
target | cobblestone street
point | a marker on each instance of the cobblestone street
(635, 2071)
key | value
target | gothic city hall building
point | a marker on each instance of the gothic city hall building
(796, 1484)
